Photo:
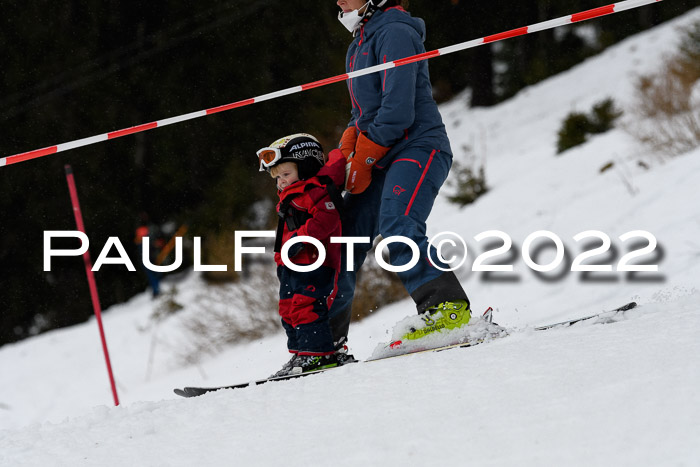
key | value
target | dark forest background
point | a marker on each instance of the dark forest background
(74, 69)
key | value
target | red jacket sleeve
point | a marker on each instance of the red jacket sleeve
(325, 218)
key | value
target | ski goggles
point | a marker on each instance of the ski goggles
(268, 157)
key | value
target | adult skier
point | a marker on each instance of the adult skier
(398, 157)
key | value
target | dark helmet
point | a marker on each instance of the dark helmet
(300, 148)
(377, 3)
(372, 6)
(383, 4)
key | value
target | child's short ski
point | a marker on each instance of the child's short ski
(194, 391)
(605, 316)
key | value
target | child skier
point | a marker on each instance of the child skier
(309, 203)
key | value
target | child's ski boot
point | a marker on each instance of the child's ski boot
(307, 363)
(286, 368)
(343, 356)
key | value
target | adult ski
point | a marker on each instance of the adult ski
(198, 391)
(485, 330)
(608, 316)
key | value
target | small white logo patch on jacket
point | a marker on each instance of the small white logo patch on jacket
(329, 205)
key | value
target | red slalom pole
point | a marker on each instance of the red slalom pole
(91, 278)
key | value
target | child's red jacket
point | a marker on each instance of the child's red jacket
(316, 214)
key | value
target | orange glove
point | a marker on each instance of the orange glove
(359, 167)
(347, 141)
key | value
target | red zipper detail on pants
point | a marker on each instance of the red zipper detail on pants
(420, 182)
(408, 160)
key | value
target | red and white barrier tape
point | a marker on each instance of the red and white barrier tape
(575, 18)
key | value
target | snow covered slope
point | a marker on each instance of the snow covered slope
(617, 394)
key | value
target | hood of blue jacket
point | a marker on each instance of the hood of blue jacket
(394, 15)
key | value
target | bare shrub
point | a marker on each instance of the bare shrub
(218, 248)
(667, 106)
(228, 315)
(167, 305)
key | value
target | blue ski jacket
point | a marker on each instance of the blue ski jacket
(396, 106)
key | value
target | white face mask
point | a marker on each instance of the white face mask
(352, 20)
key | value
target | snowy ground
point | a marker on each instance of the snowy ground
(618, 394)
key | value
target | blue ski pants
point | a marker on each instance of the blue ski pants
(397, 202)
